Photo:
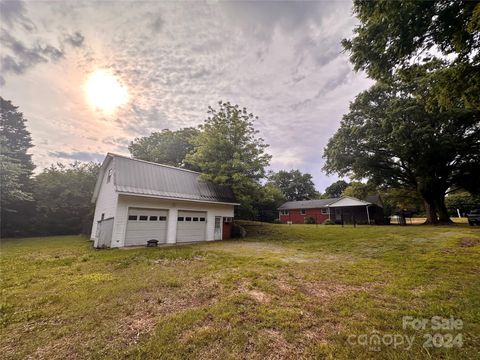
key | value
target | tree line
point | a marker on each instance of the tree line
(413, 137)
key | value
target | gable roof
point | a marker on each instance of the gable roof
(375, 199)
(307, 204)
(138, 177)
(344, 201)
(347, 201)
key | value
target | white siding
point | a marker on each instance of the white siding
(127, 201)
(106, 202)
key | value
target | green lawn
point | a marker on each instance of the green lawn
(284, 292)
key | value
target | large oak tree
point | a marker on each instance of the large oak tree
(435, 44)
(390, 138)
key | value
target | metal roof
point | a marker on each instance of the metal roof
(140, 177)
(348, 201)
(344, 201)
(307, 204)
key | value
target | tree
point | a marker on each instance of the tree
(63, 194)
(16, 169)
(435, 44)
(400, 198)
(336, 189)
(228, 152)
(359, 190)
(165, 147)
(461, 200)
(294, 185)
(11, 171)
(389, 138)
(266, 205)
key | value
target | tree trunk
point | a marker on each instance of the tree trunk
(443, 217)
(431, 212)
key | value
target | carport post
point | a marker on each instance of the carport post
(368, 215)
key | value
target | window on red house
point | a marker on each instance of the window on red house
(303, 211)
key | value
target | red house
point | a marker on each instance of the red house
(339, 210)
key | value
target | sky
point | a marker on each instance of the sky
(283, 61)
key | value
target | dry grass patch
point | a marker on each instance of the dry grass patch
(327, 290)
(469, 242)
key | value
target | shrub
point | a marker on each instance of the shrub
(238, 231)
(277, 221)
(328, 222)
(309, 220)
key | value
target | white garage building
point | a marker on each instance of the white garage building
(137, 201)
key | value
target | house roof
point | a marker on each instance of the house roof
(375, 199)
(307, 204)
(344, 201)
(348, 201)
(138, 177)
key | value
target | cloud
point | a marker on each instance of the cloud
(22, 57)
(157, 23)
(13, 12)
(282, 60)
(79, 155)
(76, 39)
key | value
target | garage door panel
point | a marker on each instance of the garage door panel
(189, 230)
(140, 231)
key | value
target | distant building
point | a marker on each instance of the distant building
(345, 209)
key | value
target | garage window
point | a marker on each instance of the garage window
(180, 218)
(195, 219)
(188, 218)
(143, 218)
(162, 218)
(202, 219)
(153, 218)
(132, 217)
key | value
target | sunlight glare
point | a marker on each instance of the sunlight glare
(104, 91)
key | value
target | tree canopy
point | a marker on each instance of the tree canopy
(336, 189)
(165, 147)
(63, 198)
(16, 167)
(390, 138)
(228, 152)
(433, 44)
(294, 185)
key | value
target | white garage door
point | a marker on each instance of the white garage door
(191, 226)
(144, 225)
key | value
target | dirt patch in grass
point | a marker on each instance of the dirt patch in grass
(259, 296)
(248, 248)
(326, 291)
(284, 286)
(163, 302)
(166, 261)
(281, 348)
(469, 242)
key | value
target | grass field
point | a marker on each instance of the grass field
(285, 292)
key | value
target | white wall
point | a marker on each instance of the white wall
(106, 201)
(173, 206)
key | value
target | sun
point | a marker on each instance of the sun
(104, 91)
